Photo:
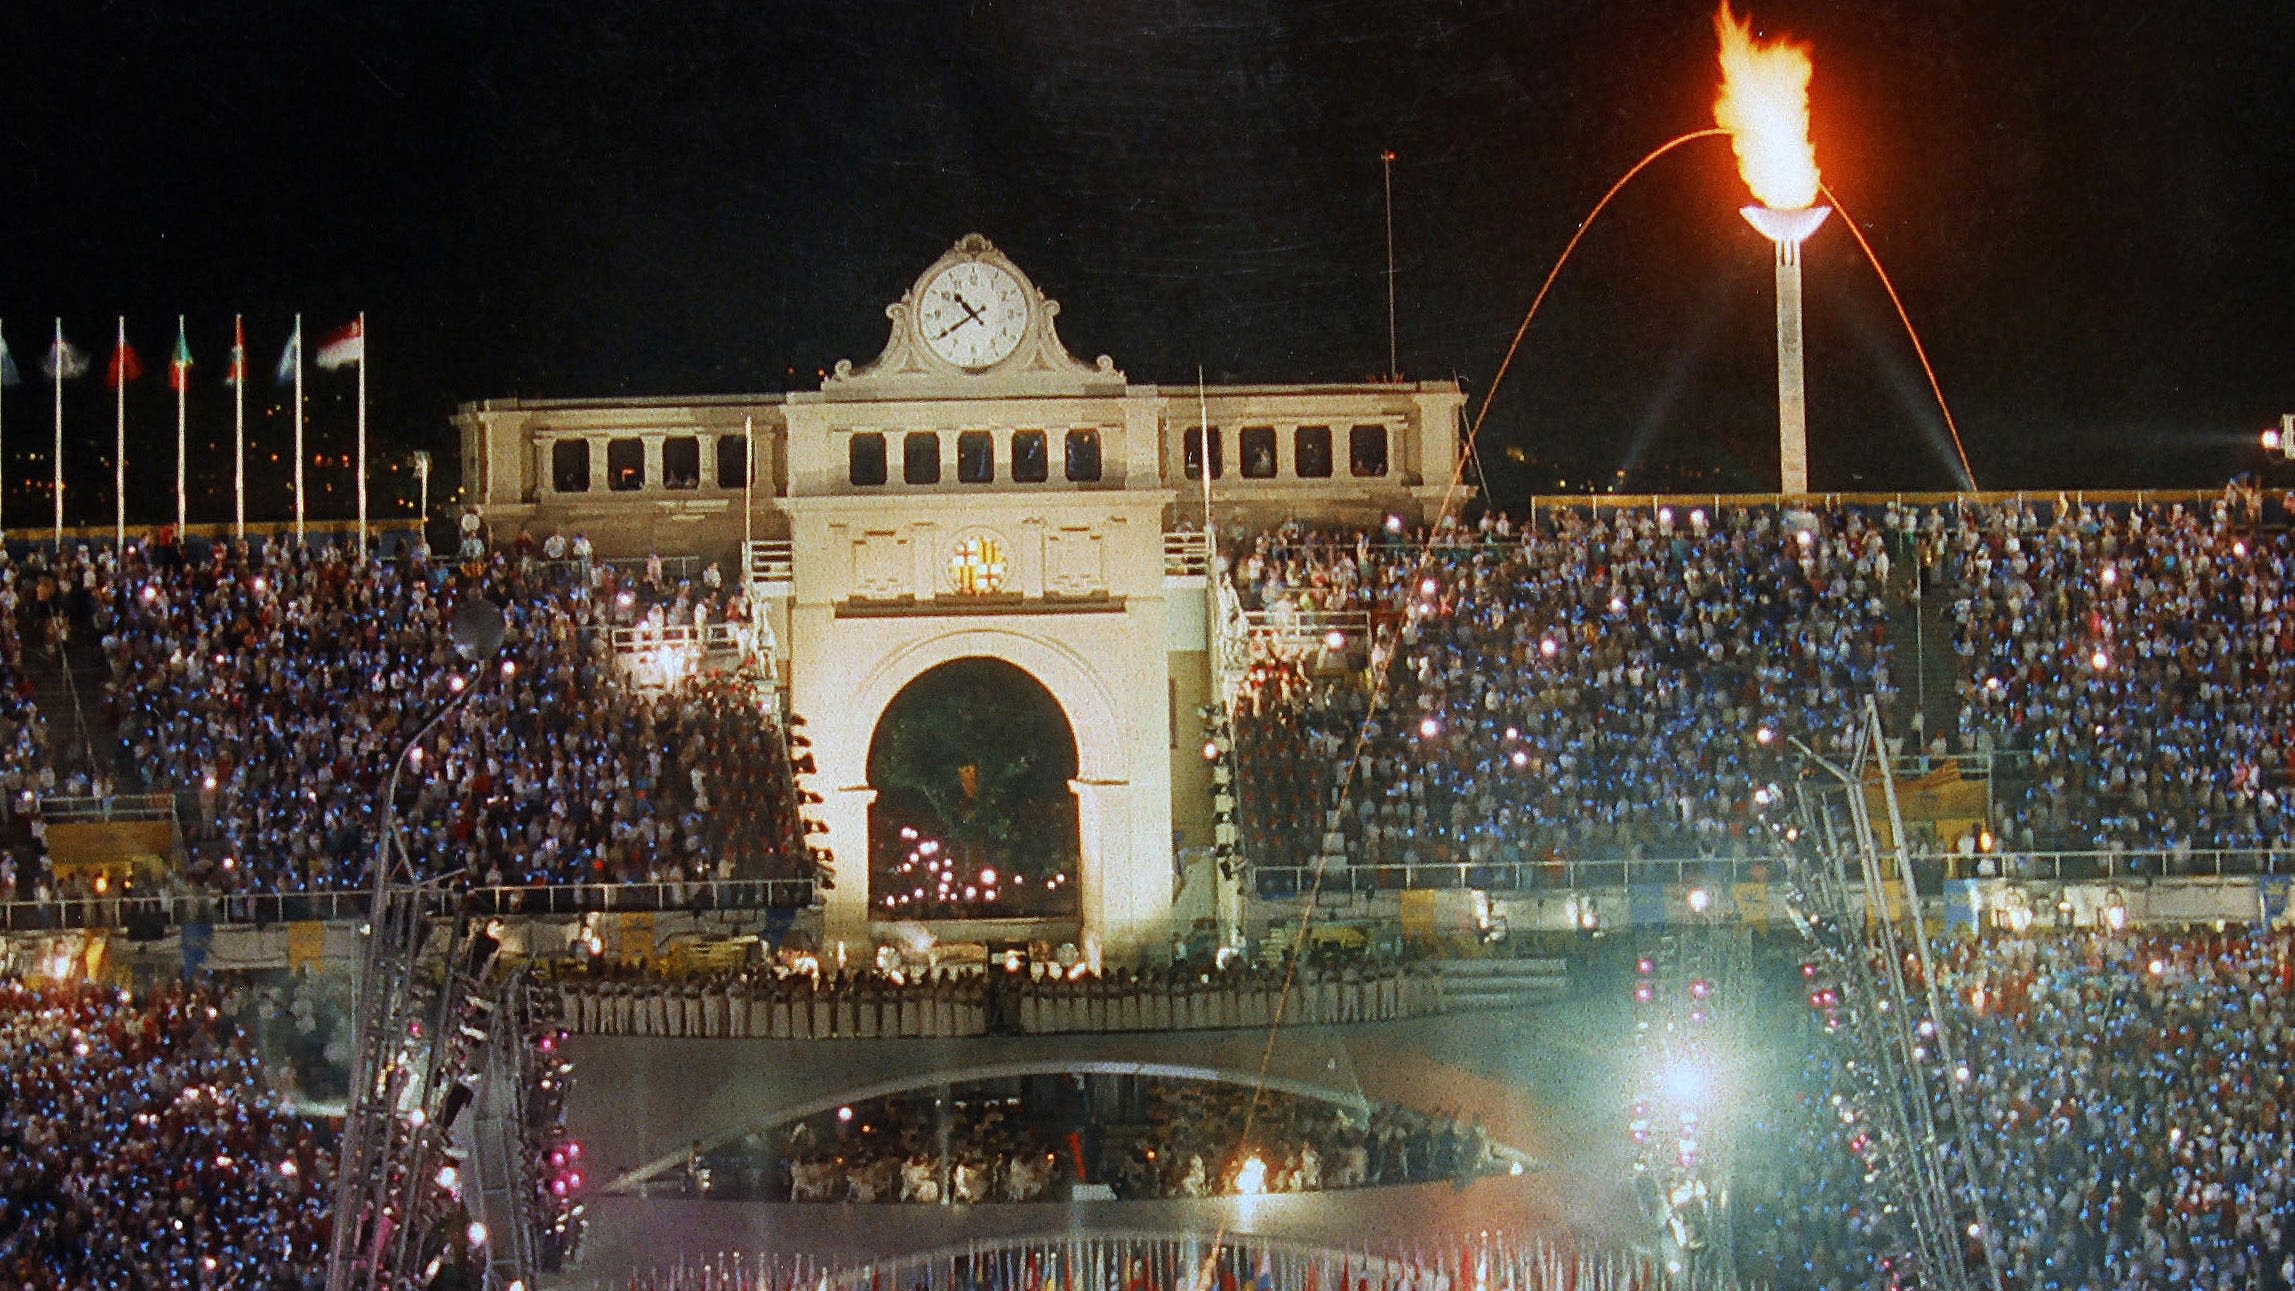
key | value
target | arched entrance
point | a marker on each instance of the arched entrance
(847, 671)
(974, 816)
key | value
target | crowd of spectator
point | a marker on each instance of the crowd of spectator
(1594, 683)
(1140, 1137)
(2142, 660)
(141, 1145)
(1618, 683)
(43, 604)
(1202, 1139)
(272, 688)
(2131, 1104)
(299, 1024)
(1621, 683)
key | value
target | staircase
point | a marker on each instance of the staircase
(69, 691)
(1925, 663)
(1503, 983)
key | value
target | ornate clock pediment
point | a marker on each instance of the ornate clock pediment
(973, 323)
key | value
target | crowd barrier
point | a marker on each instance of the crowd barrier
(796, 1008)
(155, 914)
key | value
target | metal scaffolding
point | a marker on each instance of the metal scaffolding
(1859, 907)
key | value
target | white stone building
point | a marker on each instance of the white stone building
(975, 490)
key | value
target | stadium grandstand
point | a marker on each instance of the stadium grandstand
(1596, 686)
(1144, 877)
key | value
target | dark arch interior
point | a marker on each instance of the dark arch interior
(1035, 1137)
(973, 817)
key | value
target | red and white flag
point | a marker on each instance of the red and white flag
(345, 347)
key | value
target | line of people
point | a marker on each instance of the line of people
(783, 1004)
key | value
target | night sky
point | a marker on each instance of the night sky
(2083, 204)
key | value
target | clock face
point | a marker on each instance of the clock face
(972, 314)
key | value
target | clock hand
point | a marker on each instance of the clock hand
(971, 315)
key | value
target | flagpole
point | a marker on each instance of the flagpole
(119, 443)
(182, 392)
(748, 488)
(56, 361)
(239, 430)
(362, 452)
(298, 344)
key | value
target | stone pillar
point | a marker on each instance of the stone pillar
(845, 908)
(1123, 890)
(1792, 399)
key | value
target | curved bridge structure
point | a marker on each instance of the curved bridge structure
(640, 1104)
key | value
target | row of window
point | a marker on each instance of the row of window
(1310, 453)
(920, 463)
(975, 457)
(625, 464)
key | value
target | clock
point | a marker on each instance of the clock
(972, 314)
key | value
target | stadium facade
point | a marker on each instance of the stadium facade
(977, 491)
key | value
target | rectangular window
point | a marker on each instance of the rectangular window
(570, 466)
(625, 465)
(1258, 452)
(920, 457)
(1191, 454)
(976, 457)
(1367, 450)
(681, 463)
(1028, 457)
(865, 454)
(1083, 456)
(1311, 452)
(733, 461)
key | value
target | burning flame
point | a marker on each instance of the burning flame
(1764, 105)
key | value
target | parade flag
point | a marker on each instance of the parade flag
(64, 360)
(124, 366)
(9, 376)
(291, 361)
(345, 347)
(235, 372)
(179, 363)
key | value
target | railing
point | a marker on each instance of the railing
(1186, 554)
(1972, 766)
(123, 806)
(771, 562)
(1290, 633)
(674, 569)
(160, 911)
(1285, 881)
(711, 637)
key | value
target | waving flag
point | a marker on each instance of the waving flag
(345, 347)
(179, 363)
(9, 376)
(64, 361)
(293, 357)
(235, 372)
(124, 366)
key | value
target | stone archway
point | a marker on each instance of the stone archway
(974, 816)
(1123, 865)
